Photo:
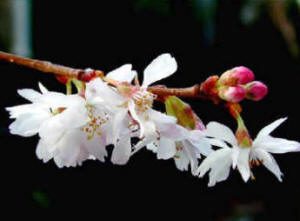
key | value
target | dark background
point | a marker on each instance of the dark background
(108, 34)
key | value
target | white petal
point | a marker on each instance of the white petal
(118, 123)
(166, 148)
(182, 161)
(42, 151)
(220, 131)
(74, 117)
(200, 143)
(173, 131)
(276, 145)
(122, 151)
(96, 146)
(160, 118)
(213, 160)
(28, 124)
(97, 91)
(161, 67)
(150, 138)
(240, 158)
(43, 89)
(123, 73)
(18, 110)
(152, 147)
(217, 142)
(269, 128)
(191, 154)
(55, 100)
(219, 162)
(68, 148)
(219, 173)
(268, 161)
(29, 94)
(52, 130)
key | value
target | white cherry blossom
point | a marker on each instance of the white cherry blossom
(72, 128)
(30, 117)
(135, 105)
(185, 149)
(219, 162)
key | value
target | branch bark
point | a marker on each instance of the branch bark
(48, 67)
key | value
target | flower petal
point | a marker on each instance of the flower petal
(166, 148)
(123, 73)
(96, 146)
(200, 143)
(98, 91)
(122, 151)
(150, 137)
(29, 94)
(182, 161)
(28, 124)
(42, 152)
(220, 131)
(276, 145)
(152, 147)
(18, 110)
(240, 158)
(42, 88)
(269, 128)
(118, 123)
(268, 161)
(161, 67)
(191, 154)
(219, 162)
(217, 142)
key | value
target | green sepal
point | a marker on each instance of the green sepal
(182, 111)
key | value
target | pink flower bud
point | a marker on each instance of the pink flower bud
(232, 94)
(237, 75)
(256, 90)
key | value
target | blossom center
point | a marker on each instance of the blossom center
(96, 121)
(143, 100)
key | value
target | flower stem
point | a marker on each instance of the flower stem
(69, 87)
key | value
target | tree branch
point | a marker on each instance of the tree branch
(48, 67)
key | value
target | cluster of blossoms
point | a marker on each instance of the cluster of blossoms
(110, 110)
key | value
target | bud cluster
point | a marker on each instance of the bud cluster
(234, 86)
(238, 83)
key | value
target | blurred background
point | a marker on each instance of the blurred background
(207, 37)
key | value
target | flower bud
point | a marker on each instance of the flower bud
(256, 90)
(208, 87)
(243, 137)
(237, 75)
(62, 79)
(88, 75)
(184, 113)
(233, 94)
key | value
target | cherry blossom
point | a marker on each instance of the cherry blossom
(241, 157)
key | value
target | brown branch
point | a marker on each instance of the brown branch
(194, 91)
(43, 66)
(48, 67)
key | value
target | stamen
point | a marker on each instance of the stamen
(96, 121)
(143, 100)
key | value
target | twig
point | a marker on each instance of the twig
(44, 66)
(48, 67)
